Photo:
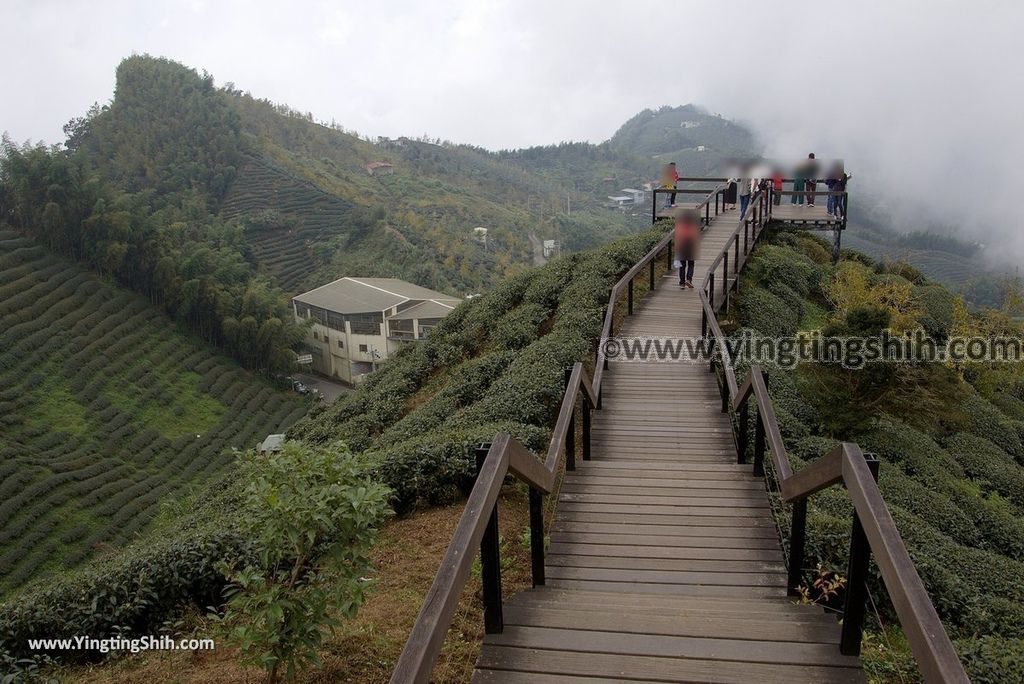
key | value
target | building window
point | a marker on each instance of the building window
(365, 323)
(341, 345)
(362, 348)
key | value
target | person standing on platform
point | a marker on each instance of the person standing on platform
(798, 186)
(840, 206)
(744, 185)
(776, 187)
(811, 184)
(687, 238)
(669, 179)
(832, 183)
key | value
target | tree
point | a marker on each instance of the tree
(312, 515)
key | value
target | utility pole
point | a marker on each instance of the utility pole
(568, 204)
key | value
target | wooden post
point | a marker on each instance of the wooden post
(856, 576)
(759, 445)
(711, 290)
(537, 537)
(629, 298)
(836, 245)
(759, 435)
(797, 534)
(570, 434)
(490, 562)
(586, 427)
(743, 434)
(651, 283)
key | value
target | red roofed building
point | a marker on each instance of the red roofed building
(380, 168)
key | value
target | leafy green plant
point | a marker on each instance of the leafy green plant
(312, 515)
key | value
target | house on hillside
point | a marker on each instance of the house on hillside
(380, 168)
(620, 200)
(637, 195)
(360, 322)
(271, 445)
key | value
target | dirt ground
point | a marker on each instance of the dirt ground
(362, 650)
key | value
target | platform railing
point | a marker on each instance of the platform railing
(717, 194)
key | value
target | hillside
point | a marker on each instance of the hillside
(496, 363)
(676, 133)
(108, 411)
(949, 437)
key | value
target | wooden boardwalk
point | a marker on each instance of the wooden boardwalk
(664, 563)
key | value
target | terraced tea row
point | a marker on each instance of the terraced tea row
(106, 410)
(285, 254)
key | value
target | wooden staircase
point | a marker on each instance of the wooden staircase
(664, 562)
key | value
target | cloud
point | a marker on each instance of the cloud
(922, 100)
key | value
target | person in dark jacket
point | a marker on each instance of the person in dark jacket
(687, 239)
(811, 184)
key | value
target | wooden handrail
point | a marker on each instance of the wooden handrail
(504, 456)
(874, 530)
(609, 313)
(847, 464)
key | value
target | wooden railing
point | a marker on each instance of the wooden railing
(873, 529)
(873, 532)
(478, 527)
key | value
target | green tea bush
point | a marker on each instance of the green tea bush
(438, 467)
(989, 465)
(985, 420)
(992, 660)
(767, 314)
(778, 263)
(938, 305)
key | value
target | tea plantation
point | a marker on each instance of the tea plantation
(949, 438)
(282, 249)
(106, 410)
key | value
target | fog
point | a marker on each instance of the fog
(924, 101)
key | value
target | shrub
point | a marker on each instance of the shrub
(437, 467)
(992, 660)
(985, 420)
(311, 515)
(989, 465)
(938, 307)
(776, 263)
(767, 314)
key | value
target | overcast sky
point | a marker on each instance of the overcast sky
(925, 98)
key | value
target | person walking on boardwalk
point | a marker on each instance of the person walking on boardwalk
(669, 179)
(687, 238)
(776, 186)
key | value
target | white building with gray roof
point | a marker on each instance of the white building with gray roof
(359, 322)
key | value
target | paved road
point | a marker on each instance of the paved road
(538, 250)
(329, 388)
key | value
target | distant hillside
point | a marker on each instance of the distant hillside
(106, 411)
(679, 132)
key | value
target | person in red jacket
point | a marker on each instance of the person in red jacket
(776, 187)
(687, 239)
